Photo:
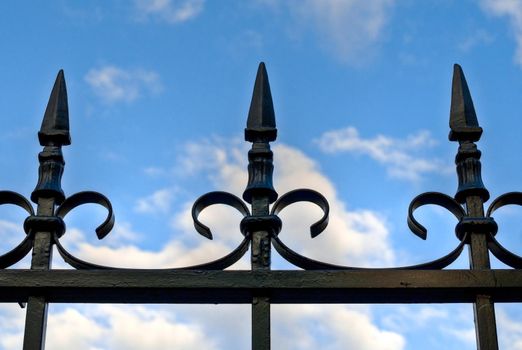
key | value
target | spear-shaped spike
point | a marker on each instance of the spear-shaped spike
(53, 134)
(260, 130)
(261, 117)
(463, 120)
(55, 124)
(465, 129)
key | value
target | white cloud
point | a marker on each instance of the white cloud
(330, 327)
(350, 29)
(153, 171)
(114, 84)
(407, 317)
(159, 201)
(11, 234)
(479, 37)
(398, 156)
(510, 329)
(12, 321)
(511, 9)
(465, 335)
(171, 11)
(176, 253)
(134, 327)
(107, 327)
(67, 330)
(123, 233)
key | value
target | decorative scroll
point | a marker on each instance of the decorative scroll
(423, 199)
(89, 197)
(305, 195)
(261, 228)
(21, 250)
(102, 230)
(501, 253)
(212, 198)
(261, 225)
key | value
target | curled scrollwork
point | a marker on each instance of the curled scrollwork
(501, 253)
(423, 199)
(311, 264)
(447, 202)
(509, 198)
(211, 198)
(305, 195)
(21, 250)
(9, 197)
(76, 200)
(102, 230)
(89, 197)
(302, 195)
(435, 198)
(218, 264)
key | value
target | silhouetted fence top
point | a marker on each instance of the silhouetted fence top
(320, 282)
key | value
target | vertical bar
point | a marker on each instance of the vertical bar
(36, 316)
(483, 308)
(260, 130)
(260, 252)
(260, 259)
(35, 323)
(53, 134)
(261, 323)
(465, 129)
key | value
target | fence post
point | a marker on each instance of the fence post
(472, 192)
(260, 194)
(48, 193)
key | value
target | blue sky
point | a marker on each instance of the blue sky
(159, 92)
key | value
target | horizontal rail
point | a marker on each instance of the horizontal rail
(292, 287)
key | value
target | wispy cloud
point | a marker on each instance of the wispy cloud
(407, 317)
(349, 29)
(154, 171)
(171, 11)
(186, 250)
(297, 328)
(399, 156)
(511, 9)
(510, 328)
(110, 327)
(114, 84)
(479, 37)
(157, 202)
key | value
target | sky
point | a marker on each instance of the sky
(159, 92)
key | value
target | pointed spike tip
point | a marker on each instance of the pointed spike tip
(463, 119)
(261, 123)
(55, 124)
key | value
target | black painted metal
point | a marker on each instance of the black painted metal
(209, 283)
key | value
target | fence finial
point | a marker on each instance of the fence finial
(466, 130)
(260, 130)
(463, 120)
(261, 117)
(53, 134)
(55, 124)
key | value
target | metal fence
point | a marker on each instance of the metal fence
(317, 282)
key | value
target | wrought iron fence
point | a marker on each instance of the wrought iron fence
(317, 282)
